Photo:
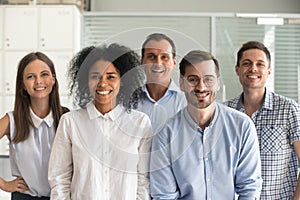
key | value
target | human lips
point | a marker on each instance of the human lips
(39, 88)
(158, 69)
(253, 76)
(199, 94)
(103, 92)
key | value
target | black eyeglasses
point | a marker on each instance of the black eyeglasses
(208, 80)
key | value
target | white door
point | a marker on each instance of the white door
(11, 60)
(1, 27)
(20, 28)
(56, 28)
(1, 73)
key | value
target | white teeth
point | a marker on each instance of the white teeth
(40, 88)
(252, 76)
(102, 92)
(198, 94)
(158, 70)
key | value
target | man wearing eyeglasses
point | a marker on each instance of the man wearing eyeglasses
(207, 150)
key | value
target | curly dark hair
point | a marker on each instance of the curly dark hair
(125, 60)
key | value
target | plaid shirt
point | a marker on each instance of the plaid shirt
(278, 126)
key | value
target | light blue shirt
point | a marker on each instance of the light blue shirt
(163, 109)
(30, 157)
(215, 164)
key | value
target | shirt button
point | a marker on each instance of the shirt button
(208, 180)
(206, 159)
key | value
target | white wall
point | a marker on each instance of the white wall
(253, 6)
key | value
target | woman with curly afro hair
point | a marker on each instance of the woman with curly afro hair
(101, 151)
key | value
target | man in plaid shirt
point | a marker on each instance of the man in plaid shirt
(277, 120)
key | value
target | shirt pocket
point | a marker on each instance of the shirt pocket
(274, 139)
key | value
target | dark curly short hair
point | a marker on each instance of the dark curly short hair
(125, 60)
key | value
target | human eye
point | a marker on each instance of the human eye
(246, 64)
(209, 80)
(45, 74)
(94, 76)
(29, 76)
(111, 77)
(150, 56)
(193, 80)
(261, 65)
(165, 57)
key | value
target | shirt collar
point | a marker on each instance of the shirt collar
(172, 87)
(37, 120)
(267, 104)
(268, 100)
(194, 124)
(113, 114)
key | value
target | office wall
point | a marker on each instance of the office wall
(253, 6)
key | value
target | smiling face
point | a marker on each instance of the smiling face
(38, 80)
(104, 85)
(200, 84)
(253, 69)
(158, 61)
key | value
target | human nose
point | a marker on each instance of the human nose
(253, 67)
(102, 82)
(38, 79)
(201, 83)
(158, 60)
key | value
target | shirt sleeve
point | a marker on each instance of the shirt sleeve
(60, 163)
(294, 122)
(162, 181)
(143, 192)
(248, 181)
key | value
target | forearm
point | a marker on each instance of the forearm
(2, 183)
(297, 192)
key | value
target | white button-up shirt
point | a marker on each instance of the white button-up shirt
(99, 156)
(30, 158)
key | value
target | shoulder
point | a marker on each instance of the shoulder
(283, 103)
(4, 125)
(283, 99)
(232, 114)
(173, 123)
(73, 114)
(137, 116)
(232, 102)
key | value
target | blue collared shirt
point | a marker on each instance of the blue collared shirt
(215, 164)
(163, 109)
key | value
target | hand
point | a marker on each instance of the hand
(16, 185)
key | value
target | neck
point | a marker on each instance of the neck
(253, 100)
(40, 107)
(157, 91)
(105, 108)
(202, 116)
